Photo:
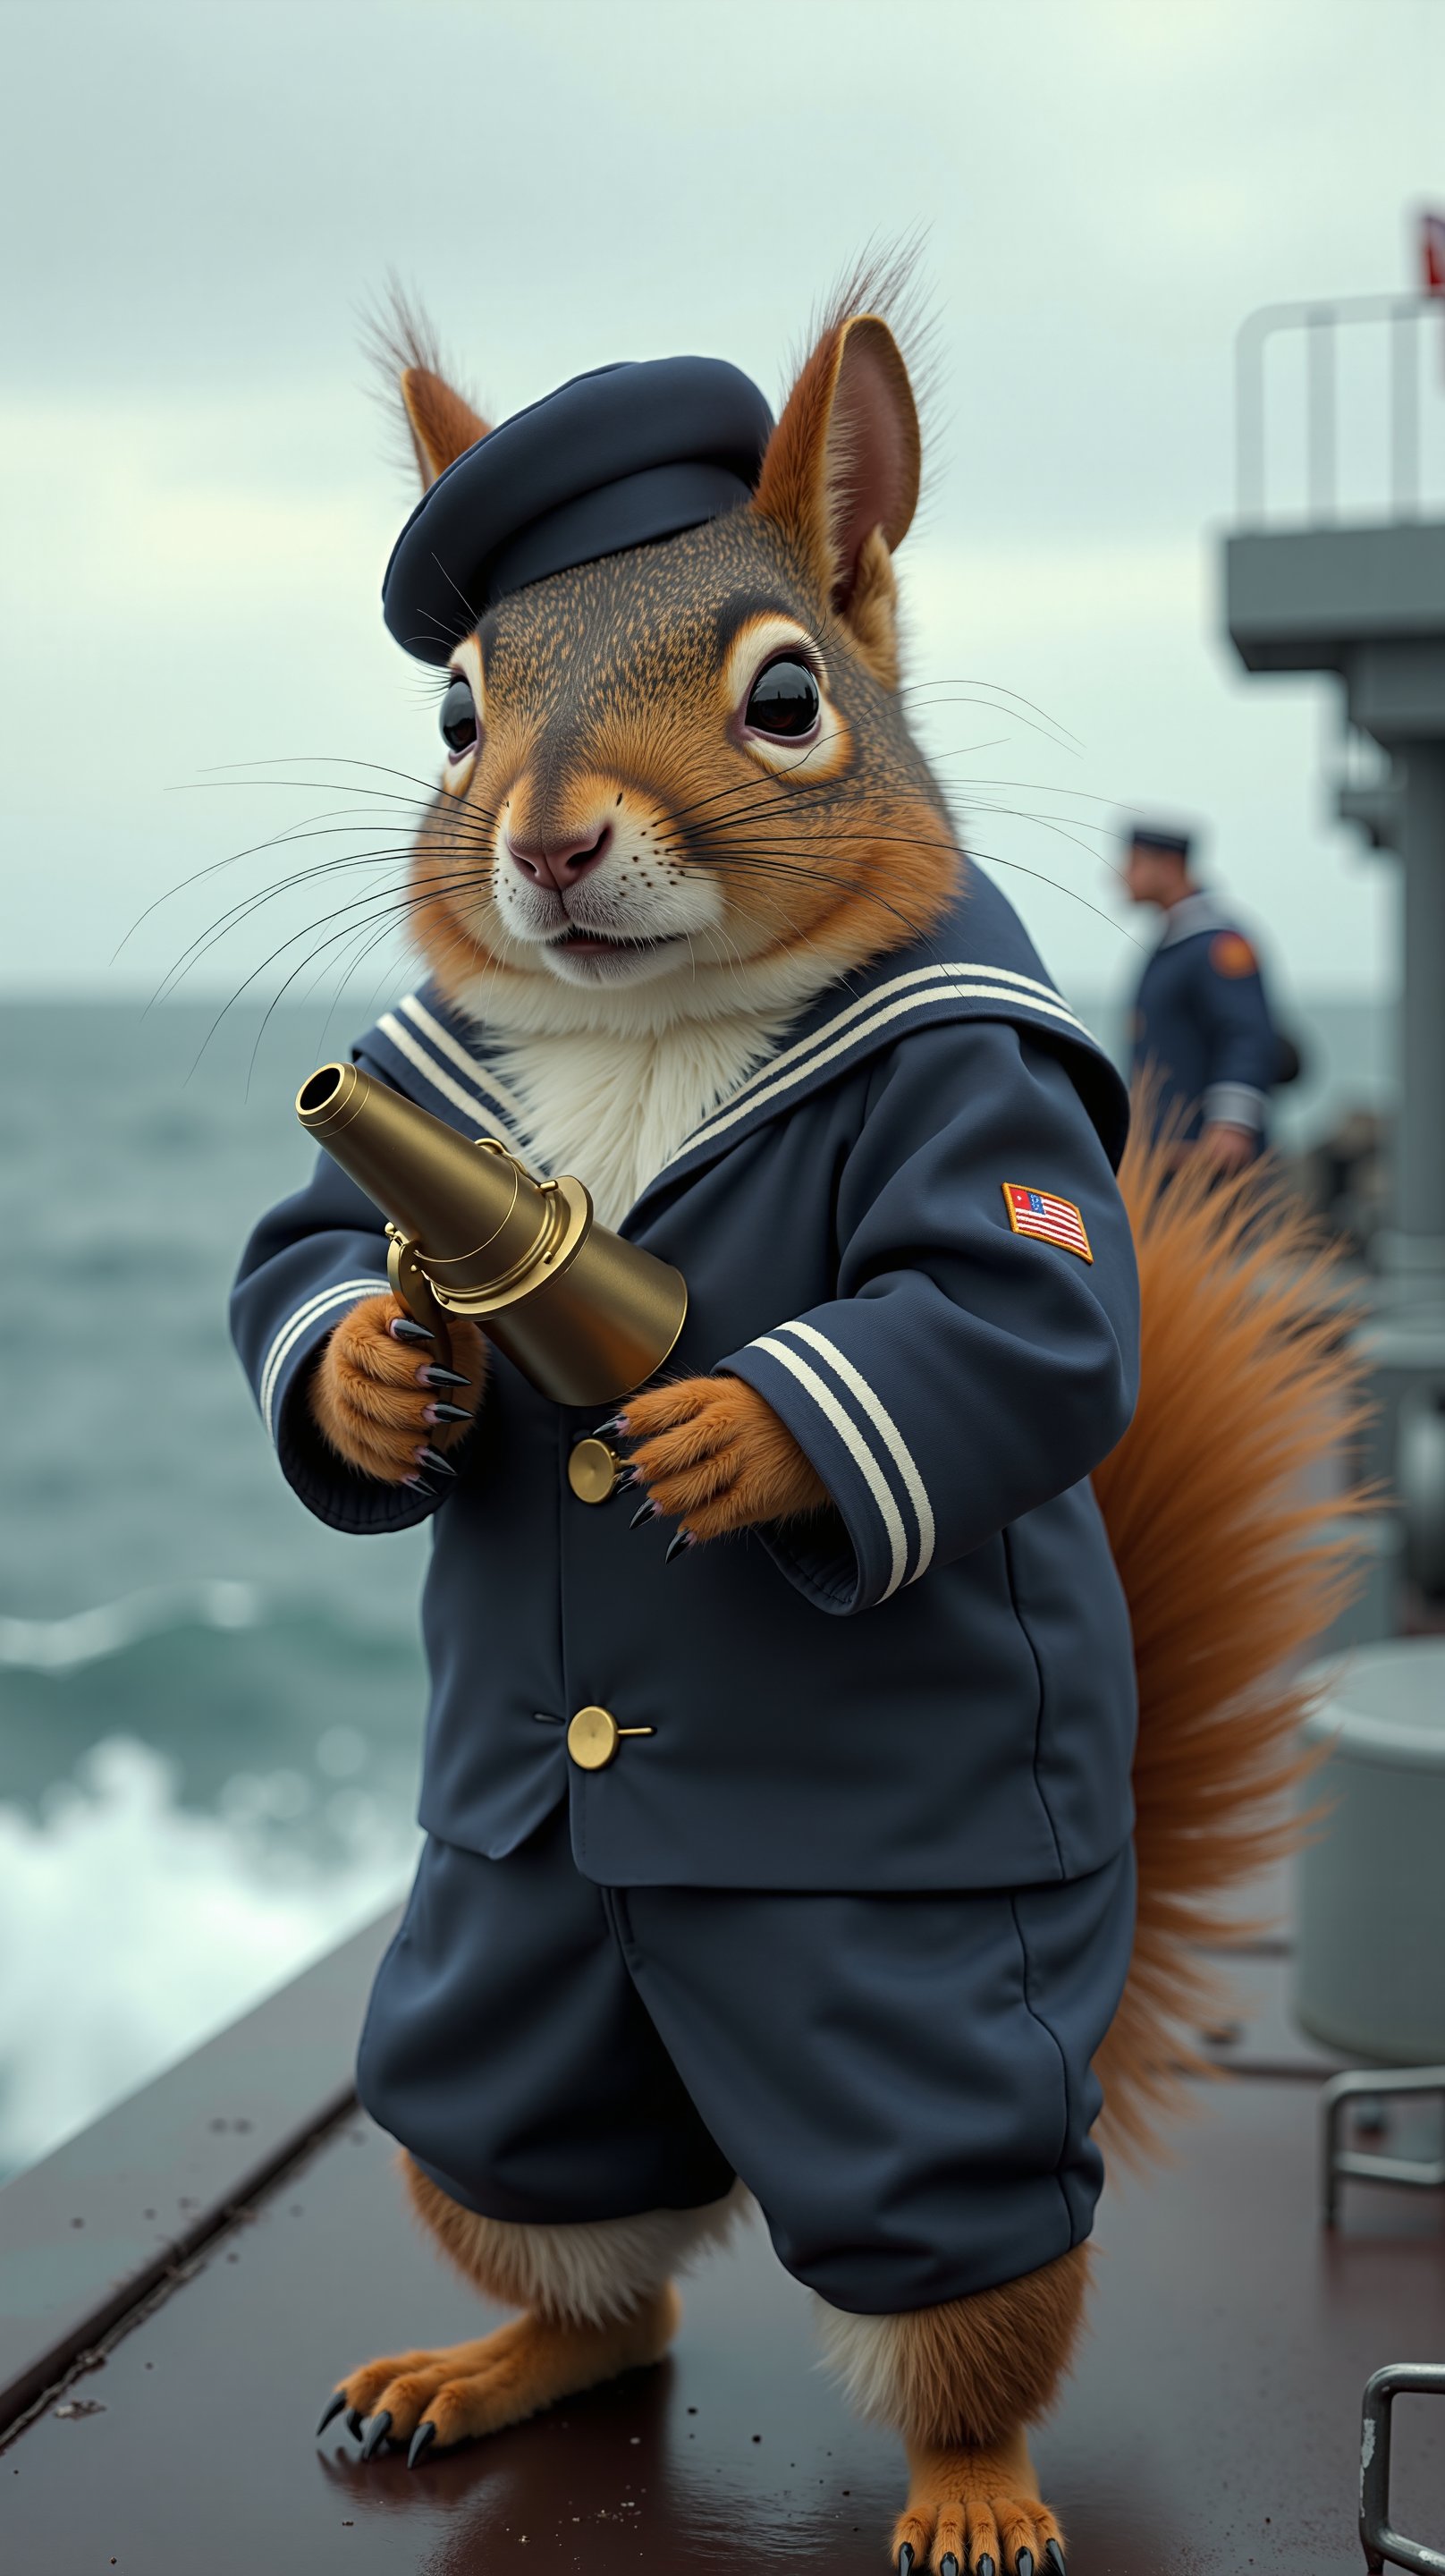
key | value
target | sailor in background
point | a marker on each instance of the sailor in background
(1202, 1028)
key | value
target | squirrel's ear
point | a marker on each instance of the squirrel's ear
(844, 459)
(442, 425)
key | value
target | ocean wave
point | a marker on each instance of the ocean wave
(132, 1927)
(88, 1636)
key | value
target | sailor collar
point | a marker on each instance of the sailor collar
(1189, 918)
(978, 964)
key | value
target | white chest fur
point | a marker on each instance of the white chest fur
(613, 1107)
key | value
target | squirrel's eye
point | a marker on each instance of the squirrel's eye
(459, 719)
(784, 701)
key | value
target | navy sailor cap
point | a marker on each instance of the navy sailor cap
(612, 459)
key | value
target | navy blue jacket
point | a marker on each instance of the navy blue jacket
(1202, 1025)
(929, 1686)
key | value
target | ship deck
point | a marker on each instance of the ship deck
(182, 2283)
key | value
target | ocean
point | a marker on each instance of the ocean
(210, 1707)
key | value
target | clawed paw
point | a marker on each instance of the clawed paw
(714, 1457)
(384, 1400)
(402, 2397)
(433, 2399)
(972, 2513)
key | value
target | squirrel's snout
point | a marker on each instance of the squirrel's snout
(559, 862)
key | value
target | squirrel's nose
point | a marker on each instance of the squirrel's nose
(558, 861)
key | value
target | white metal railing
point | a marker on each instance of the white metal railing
(1355, 425)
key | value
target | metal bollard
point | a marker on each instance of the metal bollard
(1382, 2546)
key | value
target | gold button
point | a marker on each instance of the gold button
(593, 1470)
(594, 1735)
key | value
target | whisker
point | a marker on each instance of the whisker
(248, 904)
(403, 898)
(913, 688)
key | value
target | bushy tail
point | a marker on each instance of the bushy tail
(1219, 1514)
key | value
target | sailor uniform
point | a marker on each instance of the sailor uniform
(903, 2083)
(924, 1692)
(1202, 1025)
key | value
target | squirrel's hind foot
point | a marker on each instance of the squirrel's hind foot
(978, 2509)
(466, 2389)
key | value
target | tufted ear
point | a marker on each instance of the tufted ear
(844, 462)
(442, 425)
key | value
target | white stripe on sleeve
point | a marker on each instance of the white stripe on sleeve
(877, 1411)
(342, 1292)
(833, 1413)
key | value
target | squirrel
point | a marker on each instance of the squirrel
(884, 1911)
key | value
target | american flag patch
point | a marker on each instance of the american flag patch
(1053, 1220)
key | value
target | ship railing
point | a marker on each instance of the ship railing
(1333, 410)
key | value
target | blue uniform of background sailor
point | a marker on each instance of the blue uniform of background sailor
(1202, 1031)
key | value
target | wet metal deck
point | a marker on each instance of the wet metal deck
(1212, 2427)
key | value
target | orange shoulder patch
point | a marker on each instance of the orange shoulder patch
(1230, 954)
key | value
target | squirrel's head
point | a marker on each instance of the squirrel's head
(678, 778)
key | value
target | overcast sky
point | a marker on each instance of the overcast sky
(200, 495)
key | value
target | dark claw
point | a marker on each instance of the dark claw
(403, 1328)
(435, 1375)
(905, 2559)
(644, 1512)
(675, 1546)
(355, 2422)
(1055, 2557)
(334, 2404)
(433, 1459)
(448, 1413)
(1024, 2562)
(948, 2565)
(985, 2566)
(425, 2432)
(376, 2433)
(419, 1485)
(611, 1429)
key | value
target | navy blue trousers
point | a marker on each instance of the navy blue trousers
(903, 2082)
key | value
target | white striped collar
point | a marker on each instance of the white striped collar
(903, 997)
(463, 1078)
(457, 1073)
(432, 1044)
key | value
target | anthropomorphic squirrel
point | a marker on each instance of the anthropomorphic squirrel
(858, 1913)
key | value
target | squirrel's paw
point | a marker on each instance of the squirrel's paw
(382, 1401)
(715, 1457)
(979, 2509)
(464, 2389)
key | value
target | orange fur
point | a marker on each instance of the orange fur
(443, 426)
(466, 2389)
(967, 2372)
(609, 677)
(716, 1458)
(1231, 1569)
(367, 1397)
(440, 423)
(976, 2507)
(846, 456)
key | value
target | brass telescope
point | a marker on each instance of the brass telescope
(587, 1317)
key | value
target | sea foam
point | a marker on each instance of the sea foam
(132, 1927)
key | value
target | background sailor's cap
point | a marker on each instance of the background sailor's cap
(1155, 836)
(613, 459)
